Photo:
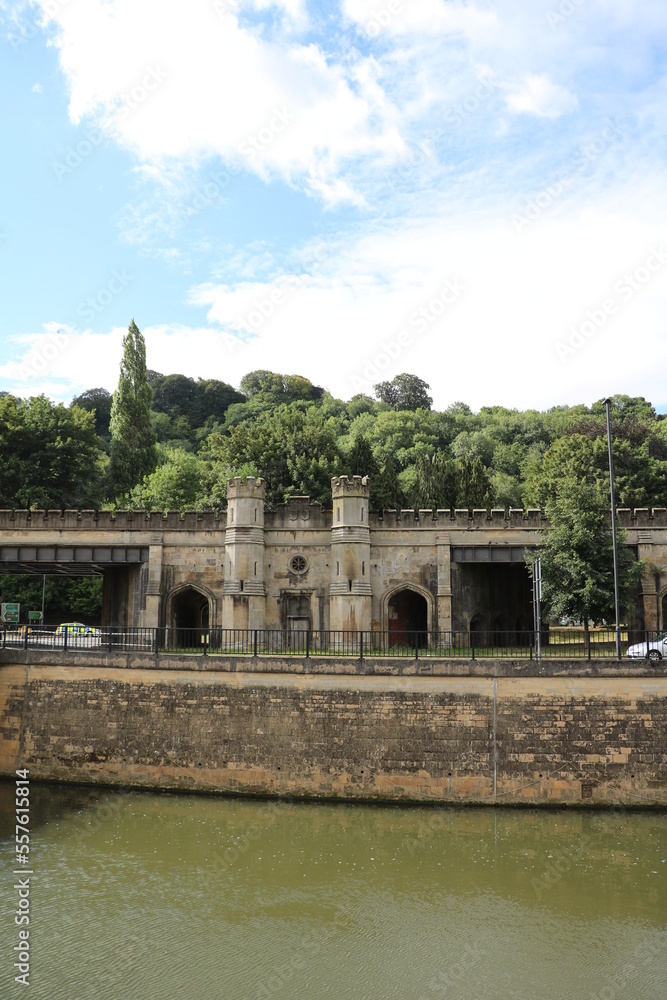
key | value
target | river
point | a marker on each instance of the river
(137, 894)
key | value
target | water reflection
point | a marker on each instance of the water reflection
(141, 895)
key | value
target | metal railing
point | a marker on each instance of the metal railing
(556, 643)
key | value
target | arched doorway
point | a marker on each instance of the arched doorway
(407, 614)
(664, 613)
(190, 617)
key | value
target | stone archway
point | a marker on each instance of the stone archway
(408, 617)
(189, 616)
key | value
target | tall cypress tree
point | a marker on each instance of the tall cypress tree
(133, 451)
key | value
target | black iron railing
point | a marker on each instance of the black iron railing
(556, 643)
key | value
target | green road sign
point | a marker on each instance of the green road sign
(35, 616)
(9, 613)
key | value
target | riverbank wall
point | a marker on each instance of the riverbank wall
(498, 732)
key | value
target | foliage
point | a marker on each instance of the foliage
(293, 447)
(73, 598)
(97, 401)
(133, 453)
(404, 392)
(192, 401)
(177, 484)
(297, 436)
(577, 557)
(276, 389)
(48, 455)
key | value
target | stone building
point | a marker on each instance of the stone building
(303, 567)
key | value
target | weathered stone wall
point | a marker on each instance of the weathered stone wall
(474, 739)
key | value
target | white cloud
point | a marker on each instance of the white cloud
(175, 82)
(421, 17)
(474, 309)
(538, 95)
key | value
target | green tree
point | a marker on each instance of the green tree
(474, 485)
(577, 558)
(49, 455)
(292, 446)
(404, 392)
(97, 401)
(177, 484)
(436, 484)
(133, 451)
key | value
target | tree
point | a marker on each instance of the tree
(177, 484)
(133, 451)
(97, 401)
(48, 455)
(577, 558)
(180, 396)
(291, 446)
(436, 485)
(404, 392)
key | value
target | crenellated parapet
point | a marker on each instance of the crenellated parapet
(358, 486)
(108, 520)
(297, 508)
(249, 488)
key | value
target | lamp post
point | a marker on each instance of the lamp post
(607, 404)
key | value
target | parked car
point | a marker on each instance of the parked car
(78, 635)
(655, 649)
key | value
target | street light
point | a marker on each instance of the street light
(607, 404)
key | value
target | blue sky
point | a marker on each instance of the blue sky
(472, 192)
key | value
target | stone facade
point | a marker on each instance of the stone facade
(304, 567)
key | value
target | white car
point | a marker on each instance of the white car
(655, 649)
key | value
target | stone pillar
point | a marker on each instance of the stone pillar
(444, 601)
(244, 590)
(350, 590)
(149, 617)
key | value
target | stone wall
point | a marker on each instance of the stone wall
(568, 739)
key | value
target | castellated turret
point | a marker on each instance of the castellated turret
(350, 591)
(244, 591)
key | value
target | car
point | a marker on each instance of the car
(654, 649)
(78, 635)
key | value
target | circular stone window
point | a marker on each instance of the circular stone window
(298, 564)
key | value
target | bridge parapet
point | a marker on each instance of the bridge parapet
(108, 520)
(211, 520)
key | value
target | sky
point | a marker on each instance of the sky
(472, 192)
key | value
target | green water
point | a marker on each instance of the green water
(144, 895)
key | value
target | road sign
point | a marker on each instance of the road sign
(9, 613)
(35, 616)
